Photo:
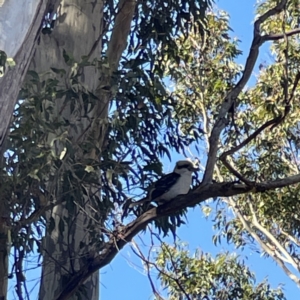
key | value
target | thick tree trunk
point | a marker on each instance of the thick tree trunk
(78, 31)
(77, 27)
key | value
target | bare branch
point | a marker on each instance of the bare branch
(205, 122)
(275, 121)
(265, 247)
(118, 40)
(250, 138)
(275, 10)
(295, 84)
(235, 172)
(287, 271)
(279, 36)
(148, 264)
(291, 238)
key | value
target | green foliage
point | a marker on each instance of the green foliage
(44, 164)
(268, 220)
(274, 153)
(164, 97)
(202, 78)
(200, 276)
(204, 73)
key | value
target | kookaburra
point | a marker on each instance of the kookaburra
(171, 185)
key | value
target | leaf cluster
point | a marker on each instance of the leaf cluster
(200, 276)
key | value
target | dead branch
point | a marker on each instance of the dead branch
(150, 263)
(138, 252)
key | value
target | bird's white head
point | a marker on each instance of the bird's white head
(185, 166)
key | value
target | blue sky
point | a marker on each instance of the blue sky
(124, 278)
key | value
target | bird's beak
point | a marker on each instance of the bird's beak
(195, 166)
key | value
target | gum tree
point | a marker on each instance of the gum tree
(95, 118)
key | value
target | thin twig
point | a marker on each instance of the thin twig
(138, 252)
(235, 172)
(291, 238)
(147, 262)
(250, 138)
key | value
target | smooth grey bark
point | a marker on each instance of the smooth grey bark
(78, 31)
(78, 26)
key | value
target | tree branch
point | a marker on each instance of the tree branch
(279, 36)
(233, 171)
(291, 238)
(120, 32)
(282, 251)
(148, 265)
(252, 136)
(220, 123)
(247, 226)
(199, 194)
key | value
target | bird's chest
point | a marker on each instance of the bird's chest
(182, 186)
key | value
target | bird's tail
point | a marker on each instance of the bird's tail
(128, 205)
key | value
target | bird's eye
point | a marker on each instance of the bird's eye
(186, 166)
